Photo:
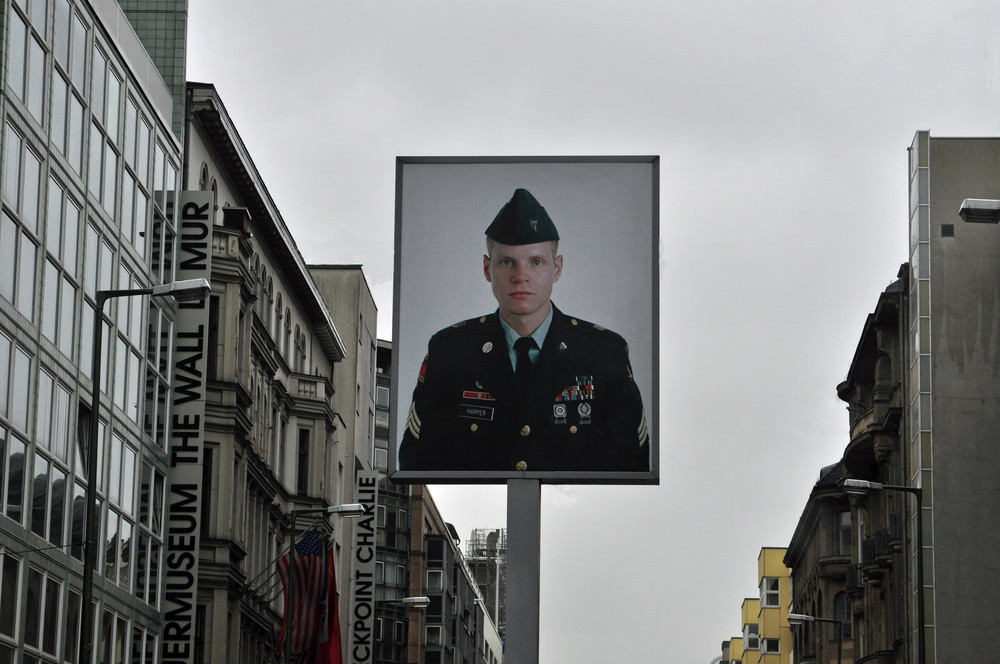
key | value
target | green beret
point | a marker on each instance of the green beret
(522, 221)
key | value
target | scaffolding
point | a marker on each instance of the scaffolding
(486, 555)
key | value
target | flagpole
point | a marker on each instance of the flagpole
(289, 593)
(346, 511)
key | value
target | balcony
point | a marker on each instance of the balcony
(310, 392)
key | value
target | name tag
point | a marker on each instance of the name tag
(475, 412)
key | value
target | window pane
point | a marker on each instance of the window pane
(50, 301)
(114, 484)
(40, 496)
(114, 98)
(15, 479)
(4, 373)
(51, 607)
(33, 607)
(95, 167)
(128, 482)
(125, 568)
(53, 224)
(57, 508)
(71, 229)
(110, 190)
(77, 521)
(60, 423)
(67, 317)
(8, 253)
(61, 41)
(79, 52)
(60, 93)
(43, 426)
(8, 595)
(11, 166)
(36, 77)
(19, 398)
(32, 189)
(26, 278)
(72, 641)
(74, 152)
(111, 552)
(16, 64)
(97, 90)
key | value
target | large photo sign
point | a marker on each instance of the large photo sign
(525, 324)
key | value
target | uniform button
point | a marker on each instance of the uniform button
(525, 430)
(521, 465)
(572, 429)
(474, 427)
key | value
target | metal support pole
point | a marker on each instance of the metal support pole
(85, 655)
(524, 510)
(288, 595)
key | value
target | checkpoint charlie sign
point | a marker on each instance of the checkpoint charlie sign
(361, 620)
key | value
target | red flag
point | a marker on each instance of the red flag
(307, 588)
(328, 643)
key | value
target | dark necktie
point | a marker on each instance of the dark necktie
(524, 366)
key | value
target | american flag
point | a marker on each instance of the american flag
(328, 641)
(305, 593)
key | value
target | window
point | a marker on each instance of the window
(381, 459)
(112, 638)
(41, 612)
(15, 369)
(21, 187)
(435, 580)
(382, 397)
(128, 360)
(52, 430)
(59, 284)
(9, 594)
(844, 539)
(770, 646)
(12, 460)
(302, 474)
(435, 552)
(154, 415)
(842, 612)
(770, 596)
(67, 128)
(751, 637)
(105, 95)
(433, 635)
(164, 231)
(26, 70)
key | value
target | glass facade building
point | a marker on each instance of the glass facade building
(90, 169)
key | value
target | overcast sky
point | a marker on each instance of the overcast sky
(782, 129)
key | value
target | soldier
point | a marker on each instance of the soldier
(526, 388)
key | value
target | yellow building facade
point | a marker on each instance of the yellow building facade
(774, 582)
(767, 638)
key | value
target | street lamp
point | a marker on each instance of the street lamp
(419, 602)
(348, 511)
(863, 488)
(980, 211)
(801, 619)
(182, 291)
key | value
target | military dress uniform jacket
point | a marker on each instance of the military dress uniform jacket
(580, 410)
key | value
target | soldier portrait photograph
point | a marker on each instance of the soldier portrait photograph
(507, 382)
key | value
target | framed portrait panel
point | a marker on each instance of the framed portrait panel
(588, 410)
